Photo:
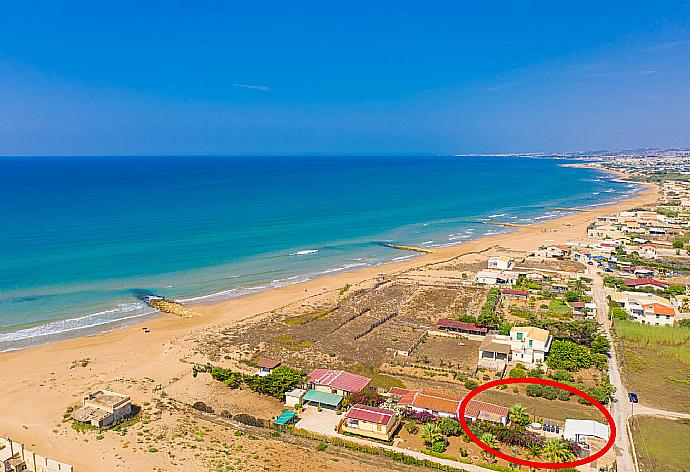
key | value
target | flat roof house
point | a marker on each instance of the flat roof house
(496, 277)
(103, 408)
(501, 263)
(371, 422)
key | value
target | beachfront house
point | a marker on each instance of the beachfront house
(370, 422)
(103, 408)
(496, 277)
(501, 263)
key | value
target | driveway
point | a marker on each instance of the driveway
(322, 422)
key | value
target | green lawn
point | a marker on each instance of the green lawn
(661, 444)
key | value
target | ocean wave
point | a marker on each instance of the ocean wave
(403, 258)
(428, 242)
(305, 252)
(79, 322)
(344, 267)
(498, 215)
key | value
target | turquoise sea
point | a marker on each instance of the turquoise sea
(81, 237)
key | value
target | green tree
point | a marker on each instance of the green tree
(557, 451)
(449, 427)
(518, 414)
(678, 244)
(601, 345)
(569, 356)
(431, 433)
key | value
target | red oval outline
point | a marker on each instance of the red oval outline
(533, 380)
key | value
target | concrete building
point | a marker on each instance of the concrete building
(103, 408)
(496, 277)
(529, 345)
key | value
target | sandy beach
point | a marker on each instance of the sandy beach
(39, 383)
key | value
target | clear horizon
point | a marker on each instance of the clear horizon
(393, 78)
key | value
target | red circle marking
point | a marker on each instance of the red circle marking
(515, 460)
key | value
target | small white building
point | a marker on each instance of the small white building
(294, 397)
(581, 430)
(501, 263)
(496, 277)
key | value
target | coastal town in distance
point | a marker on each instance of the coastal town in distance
(370, 369)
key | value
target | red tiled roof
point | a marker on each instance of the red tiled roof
(268, 363)
(474, 408)
(339, 379)
(659, 309)
(399, 391)
(578, 304)
(507, 291)
(455, 324)
(644, 281)
(431, 401)
(370, 414)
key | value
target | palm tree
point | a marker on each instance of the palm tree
(533, 450)
(490, 440)
(557, 451)
(431, 433)
(518, 415)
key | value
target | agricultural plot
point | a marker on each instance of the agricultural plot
(655, 452)
(656, 364)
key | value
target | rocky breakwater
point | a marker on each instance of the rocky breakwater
(172, 307)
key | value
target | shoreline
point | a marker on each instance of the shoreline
(39, 382)
(412, 254)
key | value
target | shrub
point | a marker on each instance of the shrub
(564, 395)
(560, 375)
(321, 447)
(569, 356)
(549, 392)
(449, 427)
(517, 373)
(439, 446)
(471, 384)
(534, 390)
(411, 427)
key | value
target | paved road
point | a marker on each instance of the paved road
(620, 408)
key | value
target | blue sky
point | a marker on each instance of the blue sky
(342, 77)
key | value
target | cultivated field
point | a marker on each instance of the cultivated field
(656, 364)
(661, 444)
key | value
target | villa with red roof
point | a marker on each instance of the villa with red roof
(370, 421)
(448, 406)
(646, 283)
(337, 382)
(657, 314)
